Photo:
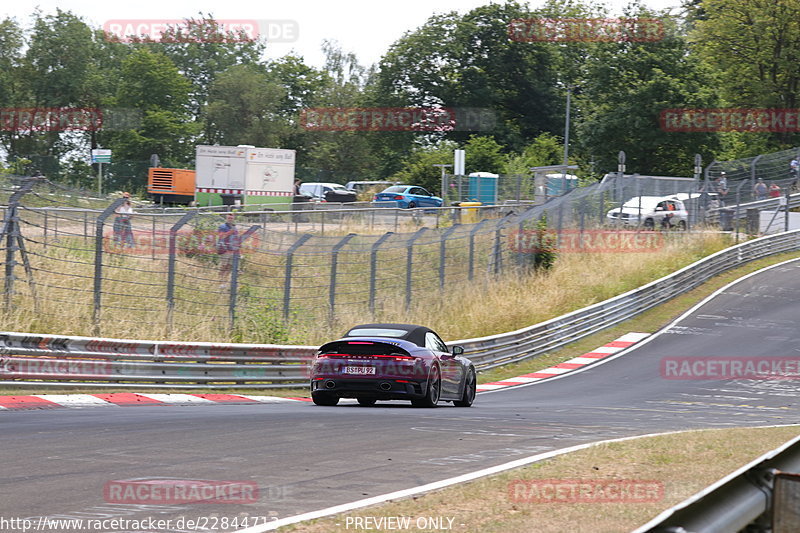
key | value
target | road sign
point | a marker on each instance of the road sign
(101, 156)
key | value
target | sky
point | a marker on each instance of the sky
(364, 27)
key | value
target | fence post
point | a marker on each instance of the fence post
(498, 247)
(334, 265)
(373, 268)
(287, 282)
(13, 237)
(173, 231)
(98, 260)
(44, 242)
(753, 164)
(443, 253)
(410, 263)
(237, 254)
(471, 261)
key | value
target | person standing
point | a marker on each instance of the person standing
(760, 189)
(774, 191)
(227, 244)
(123, 232)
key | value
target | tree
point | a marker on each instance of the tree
(625, 87)
(244, 108)
(754, 49)
(151, 82)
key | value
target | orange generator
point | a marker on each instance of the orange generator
(171, 185)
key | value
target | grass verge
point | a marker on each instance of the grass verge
(497, 505)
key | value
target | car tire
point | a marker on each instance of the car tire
(324, 398)
(470, 390)
(366, 402)
(411, 205)
(649, 224)
(432, 392)
(682, 225)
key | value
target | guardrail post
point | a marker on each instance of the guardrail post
(410, 263)
(173, 231)
(287, 282)
(373, 268)
(334, 265)
(98, 261)
(471, 261)
(237, 254)
(443, 253)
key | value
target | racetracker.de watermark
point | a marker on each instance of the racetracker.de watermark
(730, 119)
(561, 30)
(148, 242)
(717, 368)
(422, 119)
(192, 31)
(165, 491)
(585, 491)
(44, 119)
(587, 241)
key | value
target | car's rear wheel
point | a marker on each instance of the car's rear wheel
(470, 390)
(432, 393)
(366, 402)
(649, 223)
(412, 205)
(682, 225)
(324, 398)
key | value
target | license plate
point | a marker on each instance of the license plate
(359, 370)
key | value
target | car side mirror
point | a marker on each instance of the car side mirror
(457, 350)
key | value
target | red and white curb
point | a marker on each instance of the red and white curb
(122, 399)
(627, 340)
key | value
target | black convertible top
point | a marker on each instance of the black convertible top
(414, 333)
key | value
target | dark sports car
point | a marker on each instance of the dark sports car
(392, 362)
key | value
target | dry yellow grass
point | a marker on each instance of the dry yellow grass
(683, 463)
(487, 306)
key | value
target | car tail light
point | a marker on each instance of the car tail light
(398, 197)
(375, 197)
(360, 342)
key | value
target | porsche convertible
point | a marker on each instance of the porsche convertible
(375, 362)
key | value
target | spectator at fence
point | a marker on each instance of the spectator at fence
(227, 244)
(722, 187)
(123, 232)
(760, 190)
(774, 191)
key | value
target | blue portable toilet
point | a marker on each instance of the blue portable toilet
(558, 184)
(483, 187)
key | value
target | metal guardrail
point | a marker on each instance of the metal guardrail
(36, 360)
(735, 501)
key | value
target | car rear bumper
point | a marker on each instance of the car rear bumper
(379, 389)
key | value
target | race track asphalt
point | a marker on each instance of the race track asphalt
(304, 457)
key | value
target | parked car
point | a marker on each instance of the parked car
(327, 192)
(375, 362)
(408, 196)
(361, 186)
(652, 212)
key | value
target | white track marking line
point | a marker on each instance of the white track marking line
(633, 337)
(269, 399)
(175, 398)
(75, 400)
(450, 481)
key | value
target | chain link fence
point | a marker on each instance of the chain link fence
(71, 258)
